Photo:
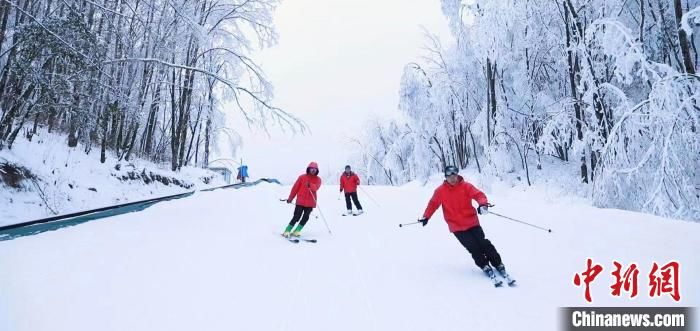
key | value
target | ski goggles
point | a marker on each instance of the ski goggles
(451, 170)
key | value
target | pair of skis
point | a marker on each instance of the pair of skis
(359, 212)
(498, 282)
(297, 240)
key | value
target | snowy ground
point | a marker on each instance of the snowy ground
(215, 261)
(71, 180)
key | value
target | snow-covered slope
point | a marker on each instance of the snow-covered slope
(215, 261)
(69, 180)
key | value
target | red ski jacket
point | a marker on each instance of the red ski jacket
(456, 204)
(348, 183)
(305, 188)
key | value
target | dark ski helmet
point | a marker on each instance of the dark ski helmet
(451, 170)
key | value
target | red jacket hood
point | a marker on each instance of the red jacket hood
(312, 165)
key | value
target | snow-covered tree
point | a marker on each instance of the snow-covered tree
(606, 86)
(136, 77)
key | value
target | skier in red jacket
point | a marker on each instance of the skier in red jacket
(455, 196)
(305, 191)
(348, 183)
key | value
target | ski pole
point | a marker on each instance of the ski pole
(369, 196)
(404, 224)
(526, 223)
(320, 211)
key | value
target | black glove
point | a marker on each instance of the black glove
(424, 221)
(483, 210)
(341, 190)
(289, 201)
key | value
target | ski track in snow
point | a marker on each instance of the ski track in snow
(215, 262)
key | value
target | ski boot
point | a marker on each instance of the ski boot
(502, 270)
(489, 272)
(297, 232)
(287, 231)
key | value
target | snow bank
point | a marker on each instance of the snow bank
(69, 180)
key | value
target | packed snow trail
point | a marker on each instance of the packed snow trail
(216, 261)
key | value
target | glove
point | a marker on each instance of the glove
(483, 210)
(341, 190)
(424, 221)
(289, 200)
(308, 184)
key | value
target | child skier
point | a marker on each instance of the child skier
(305, 191)
(348, 183)
(455, 196)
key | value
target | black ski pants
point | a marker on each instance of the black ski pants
(481, 249)
(301, 212)
(352, 195)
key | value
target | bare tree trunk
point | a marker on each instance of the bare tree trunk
(35, 127)
(196, 147)
(20, 17)
(15, 132)
(104, 123)
(476, 156)
(6, 125)
(151, 122)
(4, 15)
(641, 23)
(74, 118)
(73, 132)
(186, 104)
(51, 118)
(114, 114)
(183, 143)
(131, 142)
(683, 39)
(671, 45)
(491, 97)
(207, 138)
(443, 159)
(120, 134)
(174, 132)
(207, 133)
(193, 131)
(574, 72)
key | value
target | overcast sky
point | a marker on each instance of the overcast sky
(337, 65)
